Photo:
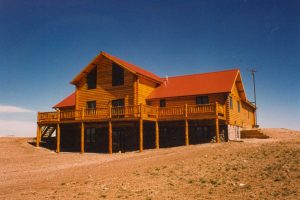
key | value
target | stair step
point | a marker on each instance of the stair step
(253, 133)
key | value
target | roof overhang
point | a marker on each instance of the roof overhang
(94, 62)
(240, 86)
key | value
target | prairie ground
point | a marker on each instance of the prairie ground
(252, 169)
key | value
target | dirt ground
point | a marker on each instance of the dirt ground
(252, 169)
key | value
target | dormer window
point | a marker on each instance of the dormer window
(92, 79)
(117, 75)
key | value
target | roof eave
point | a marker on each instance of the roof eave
(189, 95)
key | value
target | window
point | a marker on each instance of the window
(230, 102)
(162, 103)
(91, 105)
(239, 106)
(117, 103)
(92, 79)
(202, 100)
(117, 75)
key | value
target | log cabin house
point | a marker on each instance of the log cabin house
(118, 106)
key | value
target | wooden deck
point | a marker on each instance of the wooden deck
(139, 113)
(145, 112)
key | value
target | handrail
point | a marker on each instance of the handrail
(48, 116)
(171, 111)
(134, 111)
(67, 114)
(201, 108)
(96, 113)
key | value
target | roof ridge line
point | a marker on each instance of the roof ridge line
(203, 73)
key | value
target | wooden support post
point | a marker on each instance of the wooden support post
(141, 135)
(82, 137)
(141, 130)
(217, 131)
(58, 138)
(187, 142)
(156, 135)
(38, 135)
(110, 150)
(217, 125)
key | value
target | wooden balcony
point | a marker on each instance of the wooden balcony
(146, 112)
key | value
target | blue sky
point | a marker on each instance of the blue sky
(44, 44)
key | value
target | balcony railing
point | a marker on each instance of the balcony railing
(137, 111)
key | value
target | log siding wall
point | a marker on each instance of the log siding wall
(105, 92)
(244, 118)
(190, 100)
(145, 88)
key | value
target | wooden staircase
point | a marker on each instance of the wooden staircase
(253, 133)
(47, 133)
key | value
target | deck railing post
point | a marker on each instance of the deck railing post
(58, 115)
(186, 111)
(82, 113)
(140, 110)
(109, 111)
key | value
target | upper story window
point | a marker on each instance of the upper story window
(202, 100)
(92, 79)
(91, 105)
(118, 103)
(117, 75)
(239, 106)
(162, 103)
(230, 102)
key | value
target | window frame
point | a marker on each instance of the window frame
(201, 100)
(91, 79)
(117, 75)
(162, 103)
(118, 100)
(91, 103)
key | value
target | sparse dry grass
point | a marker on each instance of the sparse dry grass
(249, 170)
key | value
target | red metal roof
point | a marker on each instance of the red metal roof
(132, 67)
(67, 102)
(196, 84)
